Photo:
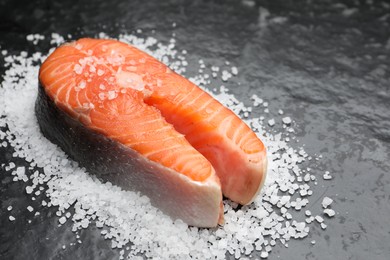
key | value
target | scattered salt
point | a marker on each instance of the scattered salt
(260, 226)
(29, 189)
(226, 75)
(78, 69)
(111, 94)
(234, 71)
(264, 254)
(11, 218)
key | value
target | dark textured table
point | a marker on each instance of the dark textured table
(326, 63)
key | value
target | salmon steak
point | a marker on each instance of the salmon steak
(130, 120)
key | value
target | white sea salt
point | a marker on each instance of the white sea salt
(319, 219)
(29, 208)
(234, 71)
(329, 212)
(271, 122)
(263, 224)
(327, 176)
(62, 220)
(11, 218)
(326, 202)
(286, 120)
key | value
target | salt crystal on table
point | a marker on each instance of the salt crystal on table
(11, 218)
(9, 208)
(326, 202)
(327, 176)
(271, 122)
(234, 71)
(62, 220)
(309, 220)
(29, 208)
(30, 37)
(286, 120)
(319, 219)
(226, 75)
(329, 212)
(264, 254)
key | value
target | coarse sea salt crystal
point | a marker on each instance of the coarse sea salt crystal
(234, 71)
(329, 212)
(327, 176)
(226, 75)
(286, 120)
(62, 220)
(326, 202)
(30, 37)
(29, 189)
(319, 219)
(11, 218)
(29, 208)
(264, 254)
(271, 122)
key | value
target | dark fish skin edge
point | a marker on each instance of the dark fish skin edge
(111, 161)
